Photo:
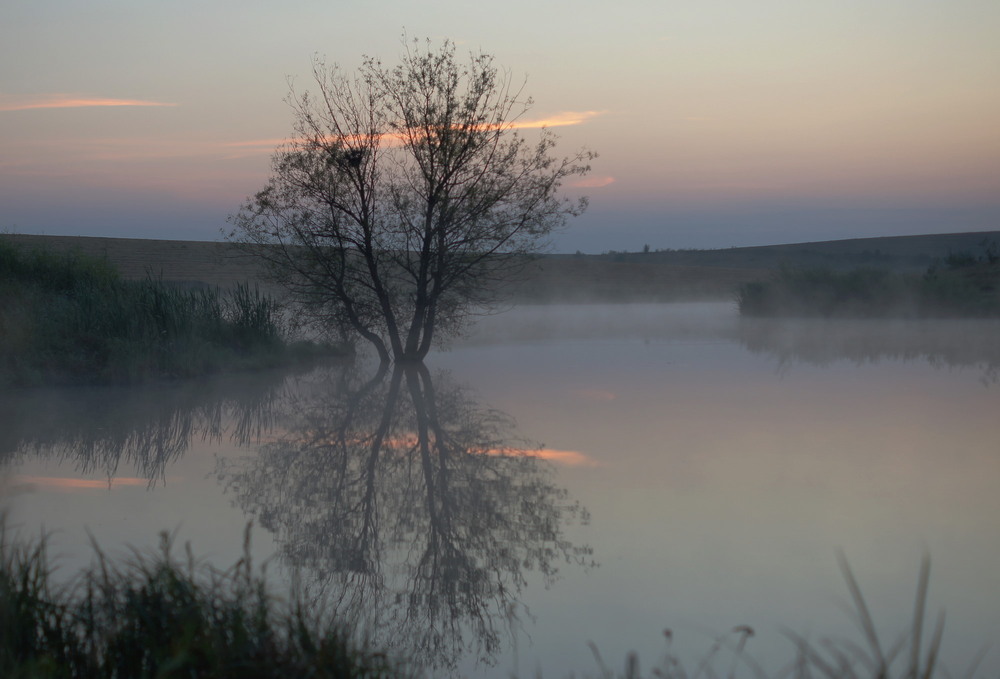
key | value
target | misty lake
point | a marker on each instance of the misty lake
(565, 475)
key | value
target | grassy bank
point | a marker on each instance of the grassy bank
(157, 616)
(67, 318)
(960, 286)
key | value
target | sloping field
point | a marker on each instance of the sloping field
(899, 253)
(545, 279)
(171, 260)
(656, 276)
(588, 278)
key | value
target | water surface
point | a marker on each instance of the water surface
(567, 474)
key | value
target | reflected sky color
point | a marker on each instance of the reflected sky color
(570, 458)
(722, 123)
(30, 483)
(727, 484)
(722, 480)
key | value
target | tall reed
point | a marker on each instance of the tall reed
(912, 655)
(68, 318)
(158, 616)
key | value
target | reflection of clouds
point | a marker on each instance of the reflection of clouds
(31, 483)
(102, 430)
(570, 458)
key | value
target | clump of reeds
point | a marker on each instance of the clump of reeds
(912, 655)
(156, 616)
(68, 318)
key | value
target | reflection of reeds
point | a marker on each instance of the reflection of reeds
(942, 342)
(100, 430)
(155, 616)
(911, 656)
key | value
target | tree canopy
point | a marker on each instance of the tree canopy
(405, 194)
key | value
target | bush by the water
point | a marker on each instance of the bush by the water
(157, 616)
(67, 318)
(963, 285)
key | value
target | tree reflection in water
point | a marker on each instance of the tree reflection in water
(408, 508)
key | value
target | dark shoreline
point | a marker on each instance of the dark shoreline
(655, 276)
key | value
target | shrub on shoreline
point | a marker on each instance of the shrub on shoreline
(962, 286)
(67, 318)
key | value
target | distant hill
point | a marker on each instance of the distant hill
(899, 253)
(179, 261)
(617, 276)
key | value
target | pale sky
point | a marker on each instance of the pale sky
(718, 122)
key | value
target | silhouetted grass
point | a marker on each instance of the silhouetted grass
(155, 616)
(66, 318)
(913, 655)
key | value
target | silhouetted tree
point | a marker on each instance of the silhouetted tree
(404, 195)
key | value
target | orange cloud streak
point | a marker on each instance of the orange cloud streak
(69, 101)
(557, 120)
(593, 182)
(570, 458)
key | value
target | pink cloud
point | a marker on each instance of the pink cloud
(72, 101)
(557, 120)
(592, 182)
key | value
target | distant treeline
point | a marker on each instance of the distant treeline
(960, 285)
(67, 318)
(897, 253)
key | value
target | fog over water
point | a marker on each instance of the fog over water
(566, 474)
